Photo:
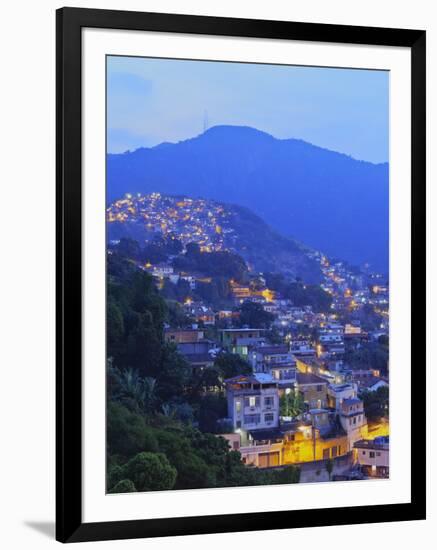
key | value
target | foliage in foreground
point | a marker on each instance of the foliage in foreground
(150, 453)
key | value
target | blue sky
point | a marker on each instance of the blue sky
(156, 100)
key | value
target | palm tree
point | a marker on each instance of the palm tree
(133, 390)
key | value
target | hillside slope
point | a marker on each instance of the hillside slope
(213, 225)
(325, 199)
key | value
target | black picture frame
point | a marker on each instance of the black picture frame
(69, 525)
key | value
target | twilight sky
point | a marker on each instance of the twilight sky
(156, 100)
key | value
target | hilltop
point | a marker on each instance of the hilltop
(215, 227)
(325, 199)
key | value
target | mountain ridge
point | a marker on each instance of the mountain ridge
(326, 199)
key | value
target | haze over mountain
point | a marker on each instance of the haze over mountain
(322, 198)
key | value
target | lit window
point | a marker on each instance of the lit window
(252, 401)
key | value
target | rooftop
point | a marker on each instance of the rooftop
(341, 387)
(307, 378)
(257, 378)
(352, 401)
(370, 381)
(266, 435)
(373, 444)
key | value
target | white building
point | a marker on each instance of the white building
(373, 456)
(276, 361)
(337, 393)
(353, 420)
(253, 401)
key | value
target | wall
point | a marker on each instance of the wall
(302, 449)
(27, 218)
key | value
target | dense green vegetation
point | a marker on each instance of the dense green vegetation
(254, 315)
(292, 404)
(161, 417)
(370, 355)
(156, 452)
(300, 294)
(376, 404)
(217, 264)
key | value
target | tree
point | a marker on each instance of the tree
(192, 471)
(376, 403)
(291, 404)
(129, 248)
(130, 389)
(216, 264)
(173, 374)
(231, 364)
(329, 465)
(370, 355)
(308, 295)
(127, 432)
(254, 315)
(150, 472)
(123, 486)
(176, 316)
(114, 326)
(211, 409)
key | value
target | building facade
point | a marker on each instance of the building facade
(253, 402)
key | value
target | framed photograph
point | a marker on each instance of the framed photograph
(240, 274)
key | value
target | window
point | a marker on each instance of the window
(238, 406)
(363, 452)
(319, 388)
(378, 454)
(325, 454)
(269, 417)
(252, 418)
(268, 401)
(355, 420)
(252, 401)
(371, 454)
(334, 452)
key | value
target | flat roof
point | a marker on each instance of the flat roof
(271, 350)
(308, 378)
(372, 444)
(352, 401)
(257, 378)
(262, 435)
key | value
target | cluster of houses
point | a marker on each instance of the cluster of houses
(331, 423)
(326, 421)
(192, 220)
